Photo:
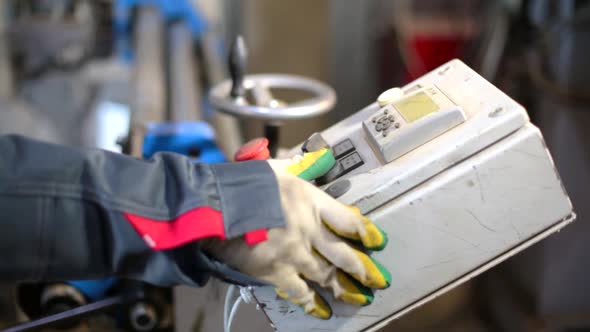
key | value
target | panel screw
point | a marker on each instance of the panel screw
(496, 112)
(444, 70)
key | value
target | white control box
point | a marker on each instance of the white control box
(458, 187)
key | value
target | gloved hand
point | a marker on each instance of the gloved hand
(311, 245)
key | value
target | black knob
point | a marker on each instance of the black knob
(237, 66)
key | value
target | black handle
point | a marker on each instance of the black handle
(237, 67)
(271, 132)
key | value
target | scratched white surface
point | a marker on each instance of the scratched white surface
(448, 226)
(450, 206)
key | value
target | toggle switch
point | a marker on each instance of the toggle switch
(342, 167)
(315, 142)
(343, 148)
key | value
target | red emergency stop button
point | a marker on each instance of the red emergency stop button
(256, 149)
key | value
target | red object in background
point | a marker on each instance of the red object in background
(256, 149)
(426, 52)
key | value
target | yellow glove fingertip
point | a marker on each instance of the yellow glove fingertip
(377, 275)
(281, 294)
(321, 309)
(354, 293)
(375, 238)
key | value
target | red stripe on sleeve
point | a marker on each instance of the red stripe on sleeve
(256, 236)
(196, 224)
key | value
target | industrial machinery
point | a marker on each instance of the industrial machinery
(448, 165)
(161, 119)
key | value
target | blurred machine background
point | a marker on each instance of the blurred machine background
(75, 72)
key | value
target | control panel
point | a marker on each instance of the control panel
(402, 123)
(421, 128)
(451, 167)
(411, 120)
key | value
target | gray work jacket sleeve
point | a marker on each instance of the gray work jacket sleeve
(68, 213)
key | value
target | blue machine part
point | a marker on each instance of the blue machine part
(94, 290)
(172, 10)
(194, 139)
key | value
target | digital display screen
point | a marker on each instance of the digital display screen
(416, 107)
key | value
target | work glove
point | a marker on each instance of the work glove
(320, 242)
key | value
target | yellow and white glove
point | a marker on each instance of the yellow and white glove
(312, 245)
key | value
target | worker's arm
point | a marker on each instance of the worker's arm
(69, 213)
